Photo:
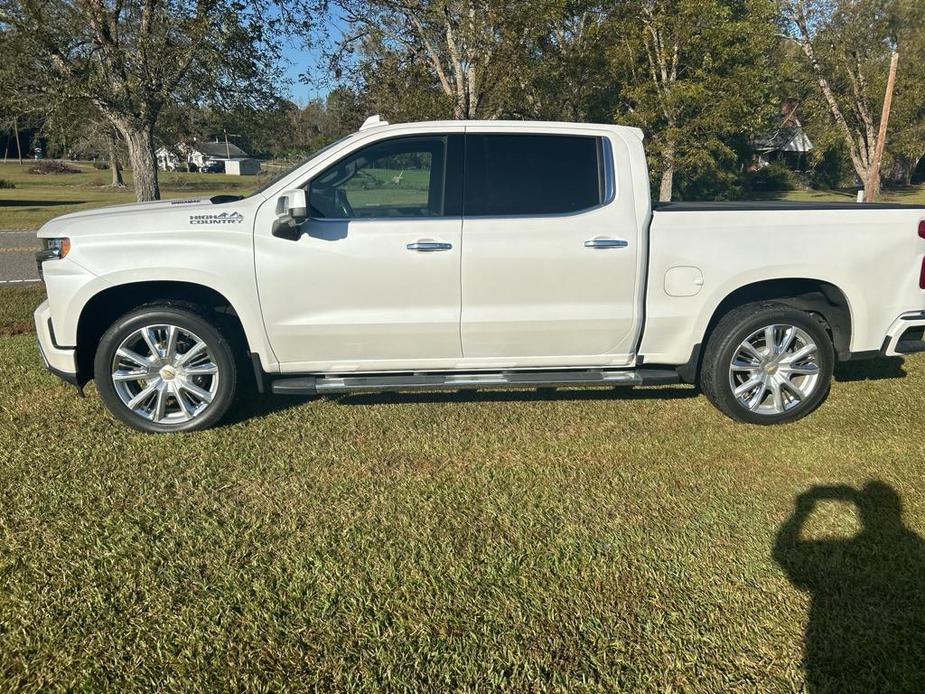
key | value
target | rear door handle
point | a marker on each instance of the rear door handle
(606, 243)
(429, 246)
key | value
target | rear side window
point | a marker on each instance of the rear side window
(532, 174)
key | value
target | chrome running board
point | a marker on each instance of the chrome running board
(342, 383)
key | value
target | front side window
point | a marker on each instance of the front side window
(532, 174)
(401, 177)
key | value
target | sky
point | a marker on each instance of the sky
(300, 60)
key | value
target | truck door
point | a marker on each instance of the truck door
(372, 282)
(550, 250)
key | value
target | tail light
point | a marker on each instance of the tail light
(922, 271)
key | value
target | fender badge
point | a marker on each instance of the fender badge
(223, 218)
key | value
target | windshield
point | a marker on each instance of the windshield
(275, 178)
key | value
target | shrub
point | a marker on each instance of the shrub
(6, 184)
(101, 165)
(832, 169)
(772, 178)
(44, 167)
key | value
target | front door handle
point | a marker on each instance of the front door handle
(606, 243)
(429, 246)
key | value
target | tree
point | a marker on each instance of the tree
(566, 75)
(697, 77)
(130, 58)
(847, 46)
(469, 51)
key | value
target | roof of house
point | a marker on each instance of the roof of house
(788, 135)
(219, 150)
(787, 139)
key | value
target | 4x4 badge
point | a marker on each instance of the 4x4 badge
(223, 218)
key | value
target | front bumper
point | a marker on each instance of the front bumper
(59, 360)
(906, 335)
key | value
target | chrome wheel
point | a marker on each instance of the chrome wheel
(165, 374)
(774, 369)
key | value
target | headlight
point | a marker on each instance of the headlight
(55, 248)
(52, 249)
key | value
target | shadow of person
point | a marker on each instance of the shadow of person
(866, 627)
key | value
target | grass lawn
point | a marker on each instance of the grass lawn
(38, 198)
(913, 195)
(587, 540)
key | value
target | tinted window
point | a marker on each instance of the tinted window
(532, 174)
(402, 177)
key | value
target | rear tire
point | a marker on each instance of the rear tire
(767, 363)
(164, 368)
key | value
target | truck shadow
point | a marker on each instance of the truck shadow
(870, 369)
(538, 395)
(866, 626)
(255, 405)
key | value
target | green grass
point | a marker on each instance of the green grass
(16, 306)
(590, 540)
(38, 198)
(913, 195)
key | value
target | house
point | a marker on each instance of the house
(787, 142)
(208, 156)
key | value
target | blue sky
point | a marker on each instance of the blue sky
(299, 61)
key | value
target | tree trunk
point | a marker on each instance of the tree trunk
(665, 190)
(18, 146)
(117, 181)
(140, 141)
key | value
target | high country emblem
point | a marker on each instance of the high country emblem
(223, 218)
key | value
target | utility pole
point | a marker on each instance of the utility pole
(227, 147)
(873, 182)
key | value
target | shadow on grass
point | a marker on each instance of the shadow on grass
(866, 626)
(40, 203)
(870, 369)
(538, 395)
(256, 406)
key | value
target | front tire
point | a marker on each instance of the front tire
(164, 368)
(767, 363)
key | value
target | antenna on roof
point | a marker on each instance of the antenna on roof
(373, 122)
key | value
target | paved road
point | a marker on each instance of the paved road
(17, 257)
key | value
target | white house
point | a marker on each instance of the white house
(216, 155)
(787, 142)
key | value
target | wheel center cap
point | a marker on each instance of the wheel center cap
(770, 369)
(168, 373)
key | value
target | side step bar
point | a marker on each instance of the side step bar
(312, 385)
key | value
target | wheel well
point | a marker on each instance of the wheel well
(822, 299)
(104, 308)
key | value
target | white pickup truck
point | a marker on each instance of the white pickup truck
(467, 255)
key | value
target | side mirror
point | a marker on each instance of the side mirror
(291, 211)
